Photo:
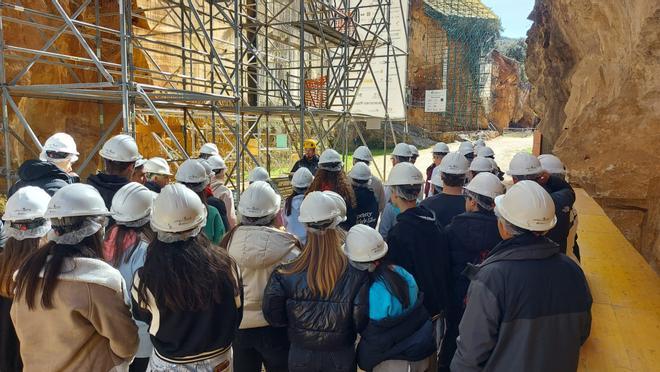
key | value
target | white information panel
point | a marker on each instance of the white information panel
(435, 100)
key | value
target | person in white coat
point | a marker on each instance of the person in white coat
(300, 182)
(258, 248)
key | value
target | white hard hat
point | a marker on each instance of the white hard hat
(486, 184)
(302, 178)
(528, 206)
(404, 174)
(258, 174)
(493, 164)
(485, 152)
(259, 200)
(454, 163)
(551, 164)
(329, 156)
(157, 165)
(360, 171)
(364, 244)
(403, 150)
(441, 147)
(413, 150)
(319, 206)
(131, 203)
(339, 201)
(363, 153)
(59, 142)
(27, 203)
(480, 142)
(481, 164)
(121, 148)
(209, 149)
(77, 199)
(177, 209)
(216, 162)
(141, 162)
(524, 164)
(191, 171)
(436, 177)
(207, 167)
(466, 148)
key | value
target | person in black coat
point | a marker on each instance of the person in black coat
(42, 174)
(366, 205)
(119, 155)
(471, 237)
(320, 298)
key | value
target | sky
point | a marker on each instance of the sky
(513, 14)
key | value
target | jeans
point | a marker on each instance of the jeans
(256, 346)
(220, 363)
(305, 360)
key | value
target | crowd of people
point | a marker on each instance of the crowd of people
(140, 269)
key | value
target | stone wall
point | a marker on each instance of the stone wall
(595, 67)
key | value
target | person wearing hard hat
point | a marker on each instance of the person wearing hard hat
(188, 289)
(396, 310)
(309, 160)
(193, 175)
(471, 236)
(139, 174)
(65, 291)
(207, 150)
(415, 153)
(466, 148)
(480, 165)
(125, 248)
(158, 174)
(488, 153)
(119, 155)
(362, 154)
(212, 200)
(453, 172)
(331, 177)
(555, 168)
(440, 149)
(528, 307)
(319, 297)
(401, 154)
(258, 248)
(418, 244)
(26, 229)
(53, 169)
(366, 205)
(220, 190)
(525, 166)
(300, 182)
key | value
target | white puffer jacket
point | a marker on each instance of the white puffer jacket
(257, 251)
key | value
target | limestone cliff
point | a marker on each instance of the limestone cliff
(509, 104)
(595, 67)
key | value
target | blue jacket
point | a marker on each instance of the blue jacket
(293, 226)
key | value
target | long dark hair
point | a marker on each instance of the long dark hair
(188, 275)
(121, 233)
(11, 258)
(394, 283)
(27, 280)
(338, 183)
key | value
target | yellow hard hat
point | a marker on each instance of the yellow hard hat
(309, 144)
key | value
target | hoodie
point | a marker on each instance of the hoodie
(107, 185)
(420, 246)
(42, 174)
(257, 251)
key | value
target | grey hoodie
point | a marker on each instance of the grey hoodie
(257, 251)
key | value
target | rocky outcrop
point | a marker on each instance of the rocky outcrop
(595, 67)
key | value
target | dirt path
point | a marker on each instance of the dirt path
(504, 147)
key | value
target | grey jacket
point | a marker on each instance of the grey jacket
(528, 309)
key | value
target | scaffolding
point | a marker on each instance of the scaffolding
(230, 72)
(462, 52)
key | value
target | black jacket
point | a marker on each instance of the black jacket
(471, 237)
(366, 210)
(420, 246)
(313, 322)
(311, 164)
(408, 336)
(564, 197)
(153, 186)
(107, 185)
(42, 174)
(445, 207)
(220, 206)
(10, 358)
(528, 309)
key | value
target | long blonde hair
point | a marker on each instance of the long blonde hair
(323, 260)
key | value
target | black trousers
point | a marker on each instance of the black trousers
(305, 360)
(256, 346)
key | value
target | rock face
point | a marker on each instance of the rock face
(595, 67)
